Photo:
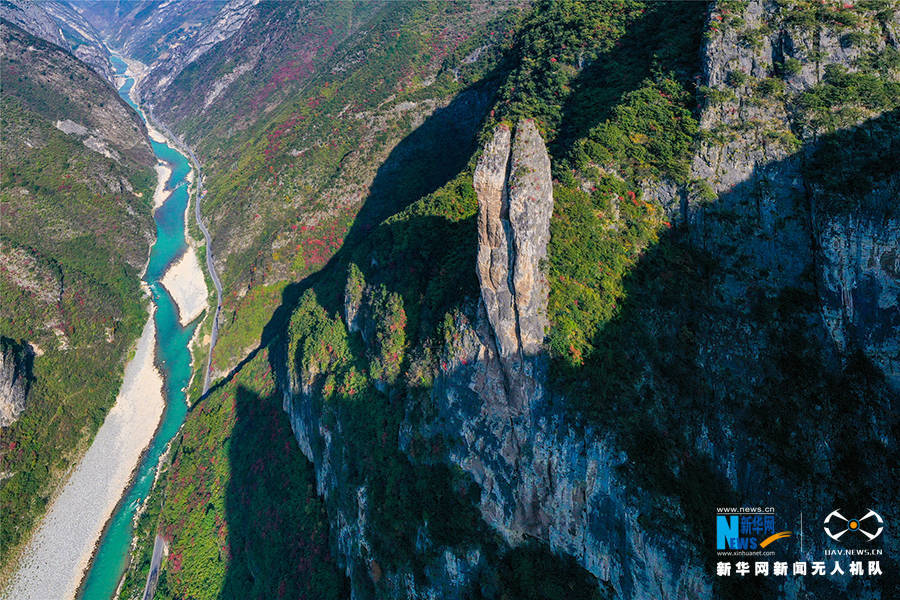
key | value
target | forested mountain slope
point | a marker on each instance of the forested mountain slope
(77, 182)
(542, 302)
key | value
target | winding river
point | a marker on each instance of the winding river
(173, 359)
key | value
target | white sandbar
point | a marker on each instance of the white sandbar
(184, 281)
(163, 172)
(155, 135)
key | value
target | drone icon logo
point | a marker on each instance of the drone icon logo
(852, 525)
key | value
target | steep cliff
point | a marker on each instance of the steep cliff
(684, 364)
(860, 287)
(32, 18)
(536, 476)
(513, 231)
(148, 29)
(779, 77)
(16, 362)
(540, 477)
(663, 282)
(226, 23)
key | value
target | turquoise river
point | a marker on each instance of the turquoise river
(173, 358)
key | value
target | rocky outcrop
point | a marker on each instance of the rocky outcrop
(16, 360)
(752, 73)
(226, 23)
(494, 239)
(31, 17)
(540, 477)
(83, 40)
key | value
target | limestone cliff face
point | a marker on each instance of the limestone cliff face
(232, 16)
(31, 17)
(768, 218)
(60, 24)
(540, 477)
(494, 238)
(543, 478)
(515, 202)
(15, 379)
(859, 272)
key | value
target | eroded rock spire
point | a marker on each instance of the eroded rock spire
(515, 203)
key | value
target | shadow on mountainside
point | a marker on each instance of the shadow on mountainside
(277, 527)
(666, 39)
(716, 376)
(441, 148)
(421, 163)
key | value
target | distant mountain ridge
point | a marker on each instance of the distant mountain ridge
(59, 23)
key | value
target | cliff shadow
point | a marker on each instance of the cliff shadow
(718, 377)
(277, 529)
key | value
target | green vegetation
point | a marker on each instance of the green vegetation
(791, 66)
(716, 96)
(244, 317)
(814, 14)
(639, 79)
(75, 226)
(650, 134)
(770, 87)
(737, 78)
(844, 98)
(317, 121)
(389, 341)
(554, 40)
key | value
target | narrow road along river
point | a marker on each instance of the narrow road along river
(173, 357)
(210, 262)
